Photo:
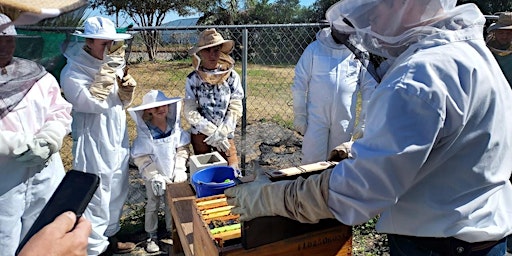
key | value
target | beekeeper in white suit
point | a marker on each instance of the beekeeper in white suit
(34, 118)
(95, 81)
(434, 161)
(160, 151)
(328, 78)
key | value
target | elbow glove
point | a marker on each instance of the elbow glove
(300, 122)
(149, 172)
(180, 167)
(304, 200)
(196, 120)
(343, 151)
(126, 89)
(103, 82)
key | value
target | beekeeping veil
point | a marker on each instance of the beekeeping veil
(388, 27)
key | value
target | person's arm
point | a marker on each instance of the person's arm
(58, 115)
(59, 238)
(75, 84)
(300, 89)
(191, 112)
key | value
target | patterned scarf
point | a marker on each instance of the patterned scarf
(20, 76)
(217, 76)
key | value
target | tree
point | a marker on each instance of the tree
(490, 7)
(146, 13)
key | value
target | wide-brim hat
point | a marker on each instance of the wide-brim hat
(33, 11)
(209, 38)
(504, 22)
(101, 28)
(153, 99)
(7, 30)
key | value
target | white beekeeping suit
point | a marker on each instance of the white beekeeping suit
(34, 118)
(100, 135)
(327, 80)
(161, 155)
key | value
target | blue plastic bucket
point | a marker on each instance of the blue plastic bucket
(213, 180)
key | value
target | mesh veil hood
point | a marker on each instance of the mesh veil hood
(388, 27)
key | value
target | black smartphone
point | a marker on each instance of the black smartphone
(73, 194)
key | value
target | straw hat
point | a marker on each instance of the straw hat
(101, 28)
(33, 11)
(504, 22)
(209, 38)
(9, 30)
(49, 7)
(153, 99)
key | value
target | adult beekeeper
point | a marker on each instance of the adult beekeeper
(34, 118)
(95, 81)
(434, 161)
(328, 79)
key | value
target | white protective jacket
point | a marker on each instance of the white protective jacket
(25, 190)
(161, 151)
(330, 75)
(440, 168)
(100, 144)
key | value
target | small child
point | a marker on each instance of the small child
(160, 151)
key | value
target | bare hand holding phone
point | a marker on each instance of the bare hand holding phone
(60, 238)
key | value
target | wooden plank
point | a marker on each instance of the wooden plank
(180, 198)
(333, 241)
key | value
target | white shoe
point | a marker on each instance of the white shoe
(152, 246)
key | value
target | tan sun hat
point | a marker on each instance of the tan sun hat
(209, 38)
(101, 28)
(504, 22)
(153, 99)
(33, 11)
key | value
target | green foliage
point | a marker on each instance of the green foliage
(490, 7)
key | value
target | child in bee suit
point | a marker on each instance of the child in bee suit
(160, 151)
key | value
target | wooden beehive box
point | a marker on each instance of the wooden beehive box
(273, 235)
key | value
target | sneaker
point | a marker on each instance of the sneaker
(152, 246)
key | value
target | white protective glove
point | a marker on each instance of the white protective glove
(340, 152)
(35, 152)
(127, 88)
(300, 113)
(158, 184)
(220, 136)
(195, 119)
(304, 200)
(103, 82)
(223, 145)
(180, 167)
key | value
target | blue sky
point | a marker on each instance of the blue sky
(171, 16)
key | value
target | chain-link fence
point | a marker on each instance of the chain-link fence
(265, 58)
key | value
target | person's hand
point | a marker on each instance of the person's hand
(341, 152)
(220, 134)
(103, 82)
(59, 238)
(223, 145)
(127, 88)
(300, 115)
(304, 200)
(300, 123)
(180, 176)
(158, 184)
(35, 152)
